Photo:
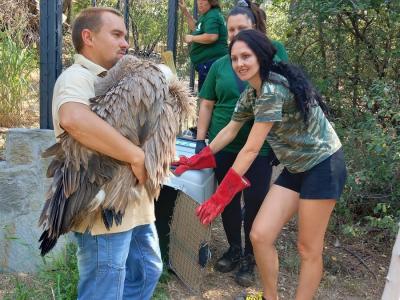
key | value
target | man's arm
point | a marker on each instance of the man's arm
(93, 132)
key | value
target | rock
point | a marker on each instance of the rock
(23, 186)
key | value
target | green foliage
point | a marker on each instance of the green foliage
(22, 291)
(63, 275)
(56, 281)
(351, 51)
(382, 218)
(353, 230)
(161, 292)
(146, 32)
(17, 62)
(59, 281)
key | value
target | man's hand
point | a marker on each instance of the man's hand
(138, 168)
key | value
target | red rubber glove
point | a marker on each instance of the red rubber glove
(229, 187)
(205, 159)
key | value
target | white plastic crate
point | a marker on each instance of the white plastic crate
(198, 184)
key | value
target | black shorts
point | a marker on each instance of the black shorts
(324, 181)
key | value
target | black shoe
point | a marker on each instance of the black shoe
(229, 260)
(245, 274)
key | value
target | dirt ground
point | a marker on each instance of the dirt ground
(354, 269)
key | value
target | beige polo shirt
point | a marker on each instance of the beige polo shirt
(76, 84)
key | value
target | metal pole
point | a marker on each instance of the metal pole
(50, 56)
(172, 26)
(192, 72)
(126, 17)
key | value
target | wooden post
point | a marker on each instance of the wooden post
(392, 286)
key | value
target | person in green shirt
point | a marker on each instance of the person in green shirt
(208, 38)
(289, 113)
(219, 94)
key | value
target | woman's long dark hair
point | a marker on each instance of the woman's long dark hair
(303, 90)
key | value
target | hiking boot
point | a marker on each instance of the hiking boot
(229, 260)
(245, 275)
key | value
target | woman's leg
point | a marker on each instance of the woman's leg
(312, 222)
(278, 207)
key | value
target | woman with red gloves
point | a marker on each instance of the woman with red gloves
(220, 92)
(289, 113)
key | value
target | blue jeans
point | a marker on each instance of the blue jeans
(125, 265)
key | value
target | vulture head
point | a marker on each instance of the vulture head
(136, 99)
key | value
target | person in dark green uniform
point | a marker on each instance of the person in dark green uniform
(219, 94)
(289, 113)
(208, 37)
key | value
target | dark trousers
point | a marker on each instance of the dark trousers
(203, 69)
(259, 176)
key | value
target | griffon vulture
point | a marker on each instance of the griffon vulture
(136, 99)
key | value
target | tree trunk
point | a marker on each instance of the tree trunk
(392, 286)
(67, 10)
(322, 50)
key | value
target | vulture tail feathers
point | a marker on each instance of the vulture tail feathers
(52, 214)
(47, 243)
(70, 197)
(110, 216)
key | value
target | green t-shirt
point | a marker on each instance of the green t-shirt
(211, 22)
(221, 86)
(297, 146)
(281, 54)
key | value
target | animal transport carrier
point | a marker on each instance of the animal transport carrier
(183, 239)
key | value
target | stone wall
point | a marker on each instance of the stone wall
(23, 185)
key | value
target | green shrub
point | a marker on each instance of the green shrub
(372, 150)
(17, 62)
